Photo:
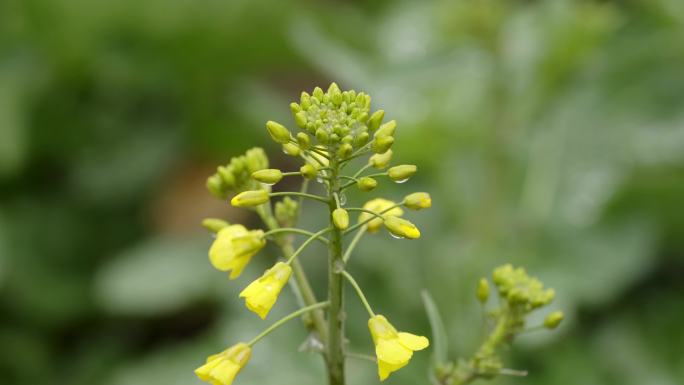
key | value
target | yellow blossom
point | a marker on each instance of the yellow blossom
(221, 368)
(261, 295)
(234, 247)
(393, 349)
(377, 206)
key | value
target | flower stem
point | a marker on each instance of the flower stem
(335, 348)
(353, 243)
(288, 317)
(299, 194)
(305, 244)
(295, 231)
(362, 297)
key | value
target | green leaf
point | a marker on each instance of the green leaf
(439, 337)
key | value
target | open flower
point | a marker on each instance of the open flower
(261, 295)
(393, 349)
(221, 368)
(377, 206)
(234, 247)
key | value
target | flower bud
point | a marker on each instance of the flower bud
(386, 129)
(402, 173)
(340, 218)
(322, 136)
(382, 144)
(483, 290)
(278, 132)
(250, 198)
(418, 201)
(553, 319)
(303, 140)
(381, 161)
(318, 93)
(367, 183)
(345, 151)
(308, 171)
(305, 101)
(295, 108)
(401, 228)
(361, 139)
(375, 120)
(214, 224)
(226, 176)
(291, 149)
(300, 119)
(215, 186)
(268, 176)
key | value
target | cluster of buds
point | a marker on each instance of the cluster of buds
(236, 176)
(519, 294)
(334, 129)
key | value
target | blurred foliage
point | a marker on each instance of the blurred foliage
(550, 134)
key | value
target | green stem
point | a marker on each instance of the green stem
(295, 231)
(353, 243)
(356, 226)
(362, 297)
(288, 317)
(305, 244)
(335, 351)
(298, 194)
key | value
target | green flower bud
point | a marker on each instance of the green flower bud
(291, 149)
(401, 228)
(278, 132)
(214, 224)
(553, 319)
(268, 176)
(256, 159)
(381, 161)
(250, 198)
(361, 139)
(295, 108)
(345, 151)
(387, 129)
(308, 171)
(363, 117)
(215, 186)
(300, 119)
(226, 176)
(367, 183)
(286, 212)
(381, 144)
(322, 136)
(483, 290)
(303, 140)
(305, 101)
(318, 94)
(402, 173)
(375, 120)
(418, 201)
(340, 218)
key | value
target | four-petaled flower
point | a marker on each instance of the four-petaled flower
(221, 368)
(393, 349)
(261, 295)
(234, 247)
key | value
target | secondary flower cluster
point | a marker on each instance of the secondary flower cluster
(335, 127)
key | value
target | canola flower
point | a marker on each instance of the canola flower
(261, 295)
(221, 368)
(393, 349)
(234, 247)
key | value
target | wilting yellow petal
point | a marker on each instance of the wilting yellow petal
(413, 341)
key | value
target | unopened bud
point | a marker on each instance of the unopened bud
(318, 93)
(401, 228)
(553, 319)
(322, 136)
(300, 119)
(305, 101)
(268, 176)
(340, 218)
(278, 132)
(250, 198)
(382, 144)
(291, 149)
(214, 224)
(367, 183)
(402, 173)
(215, 186)
(295, 108)
(303, 140)
(345, 151)
(387, 129)
(418, 201)
(308, 171)
(483, 290)
(375, 120)
(361, 139)
(381, 161)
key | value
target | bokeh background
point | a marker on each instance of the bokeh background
(549, 133)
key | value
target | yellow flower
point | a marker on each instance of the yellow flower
(378, 205)
(393, 349)
(221, 368)
(261, 295)
(234, 247)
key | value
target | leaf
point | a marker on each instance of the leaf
(439, 338)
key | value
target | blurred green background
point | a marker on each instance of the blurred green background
(549, 133)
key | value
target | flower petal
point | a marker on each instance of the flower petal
(413, 342)
(392, 352)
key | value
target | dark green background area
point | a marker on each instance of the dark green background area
(550, 134)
